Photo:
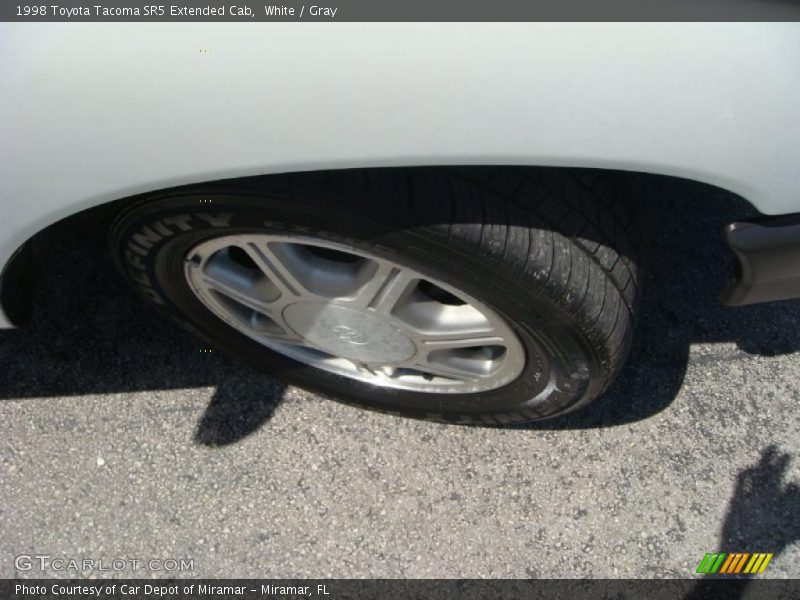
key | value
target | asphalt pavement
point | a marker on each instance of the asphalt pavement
(123, 439)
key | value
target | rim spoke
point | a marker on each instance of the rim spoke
(386, 289)
(242, 296)
(449, 341)
(447, 371)
(288, 336)
(275, 269)
(366, 367)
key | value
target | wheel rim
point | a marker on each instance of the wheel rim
(349, 312)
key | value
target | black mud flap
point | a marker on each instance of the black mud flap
(768, 260)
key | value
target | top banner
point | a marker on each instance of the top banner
(403, 10)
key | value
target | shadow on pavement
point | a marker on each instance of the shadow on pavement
(763, 516)
(91, 335)
(238, 408)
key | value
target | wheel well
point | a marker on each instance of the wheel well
(20, 275)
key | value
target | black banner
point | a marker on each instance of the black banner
(441, 589)
(405, 10)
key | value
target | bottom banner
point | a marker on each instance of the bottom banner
(444, 589)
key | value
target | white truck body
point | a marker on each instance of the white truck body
(97, 112)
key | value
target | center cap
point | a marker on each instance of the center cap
(348, 332)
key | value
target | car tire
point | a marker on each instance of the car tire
(540, 262)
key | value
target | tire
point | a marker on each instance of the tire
(546, 254)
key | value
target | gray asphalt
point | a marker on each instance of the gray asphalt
(121, 438)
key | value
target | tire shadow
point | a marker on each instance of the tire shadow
(90, 334)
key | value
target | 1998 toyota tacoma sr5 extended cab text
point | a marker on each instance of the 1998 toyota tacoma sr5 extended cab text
(426, 219)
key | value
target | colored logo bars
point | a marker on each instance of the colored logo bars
(736, 562)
